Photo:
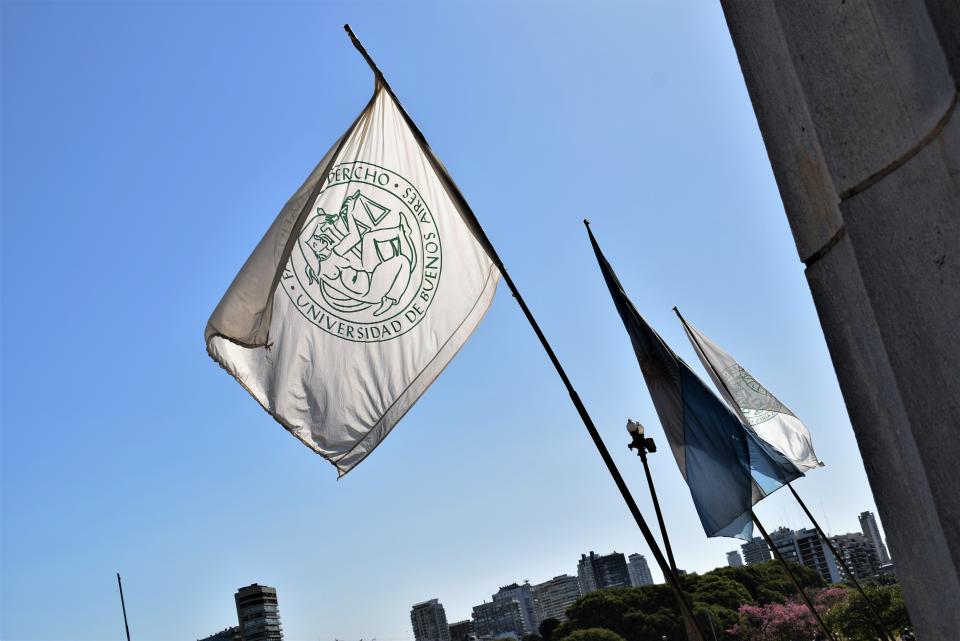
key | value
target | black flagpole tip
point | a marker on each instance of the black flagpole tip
(675, 309)
(586, 221)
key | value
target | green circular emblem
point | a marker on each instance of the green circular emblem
(367, 262)
(745, 388)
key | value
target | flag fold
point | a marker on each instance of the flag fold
(362, 290)
(759, 410)
(726, 467)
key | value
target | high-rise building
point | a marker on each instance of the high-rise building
(756, 551)
(815, 554)
(859, 553)
(230, 634)
(429, 621)
(734, 560)
(601, 572)
(522, 594)
(552, 598)
(461, 630)
(868, 525)
(258, 613)
(639, 571)
(785, 541)
(497, 619)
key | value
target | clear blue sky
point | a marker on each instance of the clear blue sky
(145, 149)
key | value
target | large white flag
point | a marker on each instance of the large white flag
(363, 289)
(770, 419)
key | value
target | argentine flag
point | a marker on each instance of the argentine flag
(726, 466)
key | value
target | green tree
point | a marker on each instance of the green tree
(720, 591)
(650, 612)
(768, 583)
(854, 620)
(546, 628)
(636, 614)
(593, 634)
(532, 636)
(561, 631)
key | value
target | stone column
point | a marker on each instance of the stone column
(856, 101)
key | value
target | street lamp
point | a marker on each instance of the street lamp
(639, 443)
(643, 445)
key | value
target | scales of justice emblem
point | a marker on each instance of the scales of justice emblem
(369, 271)
(361, 264)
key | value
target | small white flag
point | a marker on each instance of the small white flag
(770, 419)
(364, 288)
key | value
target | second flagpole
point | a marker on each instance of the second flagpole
(878, 620)
(454, 192)
(793, 579)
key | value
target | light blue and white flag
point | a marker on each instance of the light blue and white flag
(726, 467)
(760, 410)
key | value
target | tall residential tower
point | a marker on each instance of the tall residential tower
(601, 572)
(639, 570)
(552, 598)
(430, 621)
(258, 613)
(868, 525)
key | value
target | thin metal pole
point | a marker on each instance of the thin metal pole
(876, 615)
(454, 192)
(713, 628)
(124, 606)
(656, 507)
(796, 583)
(688, 624)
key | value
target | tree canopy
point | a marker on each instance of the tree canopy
(744, 603)
(593, 634)
(546, 628)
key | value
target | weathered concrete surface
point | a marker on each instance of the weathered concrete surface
(856, 103)
(945, 15)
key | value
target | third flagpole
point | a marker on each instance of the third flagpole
(846, 568)
(793, 578)
(876, 615)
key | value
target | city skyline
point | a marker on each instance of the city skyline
(429, 621)
(802, 546)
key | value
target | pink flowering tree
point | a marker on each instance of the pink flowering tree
(790, 621)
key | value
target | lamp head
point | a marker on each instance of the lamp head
(634, 428)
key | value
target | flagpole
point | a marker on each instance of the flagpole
(454, 192)
(846, 568)
(816, 525)
(641, 443)
(793, 578)
(124, 606)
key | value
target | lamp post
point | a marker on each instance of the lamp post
(643, 445)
